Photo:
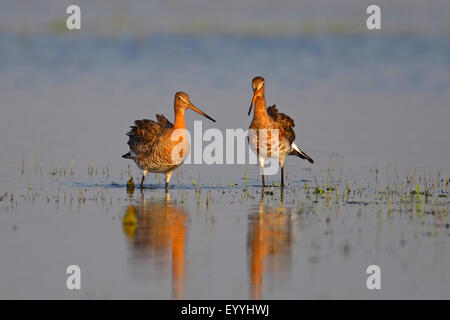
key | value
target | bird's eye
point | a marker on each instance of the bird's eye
(178, 98)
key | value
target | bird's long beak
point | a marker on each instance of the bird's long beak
(253, 102)
(191, 106)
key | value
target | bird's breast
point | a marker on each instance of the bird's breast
(267, 141)
(179, 147)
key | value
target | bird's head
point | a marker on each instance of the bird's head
(258, 90)
(182, 102)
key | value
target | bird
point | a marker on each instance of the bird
(270, 119)
(160, 146)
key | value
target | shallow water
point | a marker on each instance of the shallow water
(372, 111)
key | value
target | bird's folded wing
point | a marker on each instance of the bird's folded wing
(163, 122)
(144, 134)
(285, 122)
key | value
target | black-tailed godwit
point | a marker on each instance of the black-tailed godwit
(161, 146)
(269, 119)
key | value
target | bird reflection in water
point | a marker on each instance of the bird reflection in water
(156, 232)
(269, 244)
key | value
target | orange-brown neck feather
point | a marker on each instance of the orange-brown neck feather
(179, 119)
(260, 107)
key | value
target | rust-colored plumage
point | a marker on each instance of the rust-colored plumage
(161, 146)
(264, 121)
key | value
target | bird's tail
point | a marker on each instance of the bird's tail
(296, 151)
(127, 155)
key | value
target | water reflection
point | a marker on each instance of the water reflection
(269, 243)
(156, 232)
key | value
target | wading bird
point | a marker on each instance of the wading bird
(265, 120)
(161, 146)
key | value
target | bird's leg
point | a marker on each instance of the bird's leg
(281, 162)
(168, 175)
(144, 172)
(261, 164)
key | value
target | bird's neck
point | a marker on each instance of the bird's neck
(260, 107)
(179, 120)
